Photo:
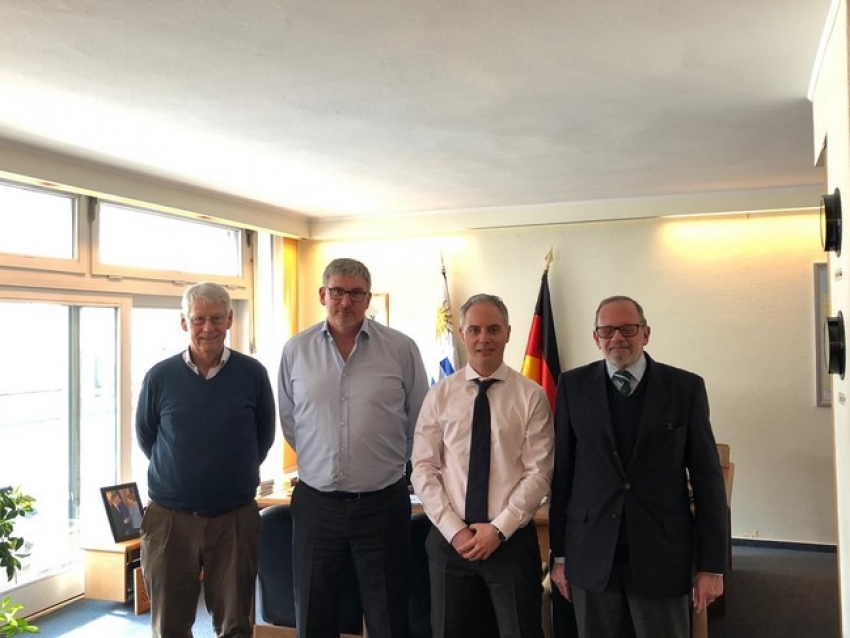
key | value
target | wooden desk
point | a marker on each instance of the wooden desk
(109, 569)
(278, 497)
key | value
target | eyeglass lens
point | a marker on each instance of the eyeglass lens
(215, 320)
(627, 330)
(354, 295)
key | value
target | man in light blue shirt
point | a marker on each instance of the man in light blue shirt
(350, 391)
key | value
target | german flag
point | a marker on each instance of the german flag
(541, 362)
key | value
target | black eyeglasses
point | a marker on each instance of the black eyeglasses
(627, 330)
(354, 295)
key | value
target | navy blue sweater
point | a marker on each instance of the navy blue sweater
(205, 438)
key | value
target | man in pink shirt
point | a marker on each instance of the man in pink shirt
(482, 499)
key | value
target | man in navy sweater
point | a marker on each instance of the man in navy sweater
(206, 421)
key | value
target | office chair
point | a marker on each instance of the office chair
(419, 610)
(276, 589)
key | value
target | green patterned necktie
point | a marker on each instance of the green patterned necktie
(625, 378)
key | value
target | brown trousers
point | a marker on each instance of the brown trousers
(178, 546)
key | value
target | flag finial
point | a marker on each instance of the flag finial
(549, 259)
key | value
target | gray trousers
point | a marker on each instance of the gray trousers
(620, 613)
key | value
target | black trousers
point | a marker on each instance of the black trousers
(373, 531)
(512, 576)
(563, 616)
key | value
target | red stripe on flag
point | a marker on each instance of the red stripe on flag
(542, 362)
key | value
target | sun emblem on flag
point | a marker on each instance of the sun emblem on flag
(444, 319)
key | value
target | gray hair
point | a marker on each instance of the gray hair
(206, 293)
(614, 298)
(493, 300)
(346, 267)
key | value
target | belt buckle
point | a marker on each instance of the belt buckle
(354, 497)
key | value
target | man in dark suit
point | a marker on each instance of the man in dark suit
(625, 535)
(120, 516)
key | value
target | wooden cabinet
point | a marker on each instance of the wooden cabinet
(109, 570)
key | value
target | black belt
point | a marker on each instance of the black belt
(349, 496)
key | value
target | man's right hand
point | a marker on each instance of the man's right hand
(462, 538)
(560, 579)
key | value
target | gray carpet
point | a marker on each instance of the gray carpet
(780, 593)
(772, 593)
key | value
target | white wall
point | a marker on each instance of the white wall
(729, 298)
(832, 125)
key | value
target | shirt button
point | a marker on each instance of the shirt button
(614, 516)
(627, 486)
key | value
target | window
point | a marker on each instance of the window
(59, 409)
(140, 239)
(37, 224)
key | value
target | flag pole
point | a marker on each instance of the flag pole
(541, 362)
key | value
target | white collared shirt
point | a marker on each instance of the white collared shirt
(225, 355)
(521, 456)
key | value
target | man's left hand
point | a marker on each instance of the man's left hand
(707, 588)
(484, 541)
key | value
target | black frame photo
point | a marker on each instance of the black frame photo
(124, 510)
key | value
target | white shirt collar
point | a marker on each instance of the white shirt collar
(637, 369)
(225, 355)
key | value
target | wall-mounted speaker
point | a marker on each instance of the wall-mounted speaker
(830, 222)
(834, 344)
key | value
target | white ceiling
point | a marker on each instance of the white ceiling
(350, 108)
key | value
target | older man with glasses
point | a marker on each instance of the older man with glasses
(350, 390)
(630, 434)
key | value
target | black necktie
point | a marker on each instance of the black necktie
(478, 482)
(625, 378)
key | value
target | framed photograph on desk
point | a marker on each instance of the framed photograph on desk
(123, 509)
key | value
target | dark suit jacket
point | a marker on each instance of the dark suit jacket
(118, 518)
(591, 490)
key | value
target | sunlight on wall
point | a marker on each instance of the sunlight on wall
(717, 239)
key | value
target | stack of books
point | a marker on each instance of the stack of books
(265, 487)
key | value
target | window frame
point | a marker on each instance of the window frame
(75, 264)
(99, 269)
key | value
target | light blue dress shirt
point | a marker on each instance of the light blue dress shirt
(351, 422)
